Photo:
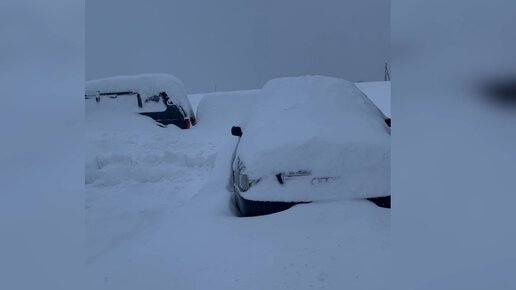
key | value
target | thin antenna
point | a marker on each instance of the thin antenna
(387, 75)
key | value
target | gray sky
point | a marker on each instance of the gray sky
(237, 44)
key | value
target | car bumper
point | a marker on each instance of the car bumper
(248, 207)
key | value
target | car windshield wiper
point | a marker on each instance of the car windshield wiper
(283, 176)
(97, 96)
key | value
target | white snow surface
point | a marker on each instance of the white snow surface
(235, 106)
(320, 124)
(379, 93)
(159, 215)
(147, 85)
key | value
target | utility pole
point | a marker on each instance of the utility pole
(387, 75)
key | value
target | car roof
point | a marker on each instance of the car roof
(314, 106)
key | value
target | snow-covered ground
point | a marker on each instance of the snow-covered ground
(159, 215)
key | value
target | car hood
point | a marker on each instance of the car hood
(327, 172)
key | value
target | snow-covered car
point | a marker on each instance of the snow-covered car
(311, 139)
(161, 97)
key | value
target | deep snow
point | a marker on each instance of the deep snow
(159, 215)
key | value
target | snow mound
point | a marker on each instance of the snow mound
(135, 171)
(321, 124)
(220, 111)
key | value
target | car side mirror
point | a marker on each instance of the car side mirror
(236, 131)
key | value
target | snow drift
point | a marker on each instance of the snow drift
(220, 111)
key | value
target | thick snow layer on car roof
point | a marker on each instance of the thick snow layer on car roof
(321, 124)
(145, 84)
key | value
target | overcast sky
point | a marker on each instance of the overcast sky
(239, 44)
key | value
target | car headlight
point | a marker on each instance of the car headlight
(241, 179)
(243, 182)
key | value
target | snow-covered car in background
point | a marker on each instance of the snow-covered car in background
(161, 97)
(311, 139)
